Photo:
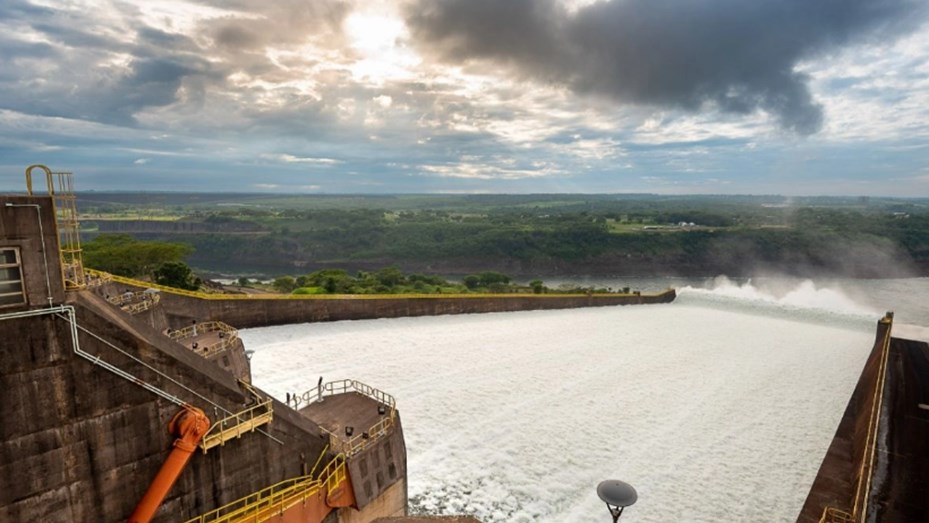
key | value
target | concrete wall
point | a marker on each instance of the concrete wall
(19, 227)
(835, 483)
(899, 489)
(377, 469)
(391, 503)
(234, 360)
(78, 443)
(259, 312)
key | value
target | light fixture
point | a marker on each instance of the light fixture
(617, 495)
(349, 430)
(381, 410)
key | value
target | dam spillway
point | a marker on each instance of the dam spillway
(74, 428)
(517, 416)
(111, 413)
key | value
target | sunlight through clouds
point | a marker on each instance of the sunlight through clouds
(527, 95)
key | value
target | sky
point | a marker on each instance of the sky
(789, 97)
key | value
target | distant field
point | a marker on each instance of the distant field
(528, 235)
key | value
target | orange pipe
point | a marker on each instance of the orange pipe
(189, 425)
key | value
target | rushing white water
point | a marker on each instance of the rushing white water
(718, 407)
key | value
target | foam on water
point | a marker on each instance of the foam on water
(712, 410)
(803, 300)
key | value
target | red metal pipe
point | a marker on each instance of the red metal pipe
(189, 425)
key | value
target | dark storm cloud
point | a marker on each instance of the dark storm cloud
(739, 55)
(67, 76)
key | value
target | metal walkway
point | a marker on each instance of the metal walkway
(234, 426)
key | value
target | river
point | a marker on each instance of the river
(717, 407)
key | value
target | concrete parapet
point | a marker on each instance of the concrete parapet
(257, 312)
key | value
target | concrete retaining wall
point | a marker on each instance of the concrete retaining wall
(78, 443)
(835, 483)
(245, 313)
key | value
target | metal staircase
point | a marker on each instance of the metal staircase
(235, 425)
(316, 497)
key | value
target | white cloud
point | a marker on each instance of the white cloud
(383, 100)
(485, 171)
(290, 158)
(236, 85)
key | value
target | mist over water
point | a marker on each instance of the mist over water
(718, 407)
(805, 296)
(904, 296)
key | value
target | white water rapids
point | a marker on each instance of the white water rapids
(718, 407)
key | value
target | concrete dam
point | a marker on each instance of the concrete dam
(124, 401)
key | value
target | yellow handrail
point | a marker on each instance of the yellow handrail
(834, 515)
(206, 326)
(237, 424)
(277, 498)
(359, 442)
(859, 507)
(343, 386)
(98, 279)
(141, 306)
(128, 297)
(877, 401)
(134, 302)
(228, 338)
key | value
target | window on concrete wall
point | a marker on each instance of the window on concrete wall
(11, 278)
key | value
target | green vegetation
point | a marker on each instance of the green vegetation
(534, 235)
(392, 280)
(176, 274)
(122, 255)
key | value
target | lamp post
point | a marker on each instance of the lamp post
(617, 495)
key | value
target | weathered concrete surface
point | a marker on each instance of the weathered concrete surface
(19, 227)
(336, 412)
(232, 359)
(897, 485)
(82, 444)
(257, 312)
(390, 503)
(380, 464)
(377, 468)
(900, 483)
(834, 485)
